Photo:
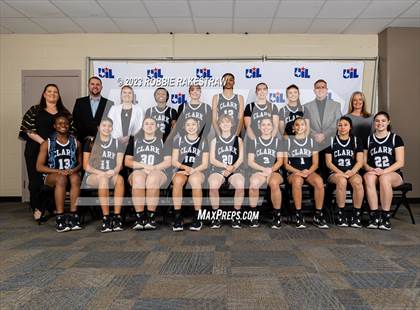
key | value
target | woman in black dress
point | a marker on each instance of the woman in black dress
(37, 125)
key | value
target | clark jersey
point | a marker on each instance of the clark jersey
(227, 151)
(344, 152)
(299, 152)
(190, 152)
(381, 152)
(265, 151)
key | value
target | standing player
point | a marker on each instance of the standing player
(149, 158)
(60, 159)
(256, 111)
(291, 111)
(196, 109)
(265, 158)
(301, 162)
(164, 115)
(226, 156)
(228, 103)
(384, 157)
(102, 162)
(190, 157)
(344, 157)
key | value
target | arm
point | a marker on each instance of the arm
(249, 131)
(176, 163)
(253, 164)
(166, 163)
(289, 167)
(87, 167)
(330, 165)
(275, 124)
(315, 161)
(204, 163)
(213, 159)
(240, 115)
(42, 158)
(278, 163)
(240, 160)
(35, 137)
(399, 160)
(79, 159)
(214, 114)
(308, 126)
(282, 127)
(131, 163)
(365, 162)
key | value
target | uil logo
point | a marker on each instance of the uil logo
(155, 73)
(203, 73)
(253, 73)
(350, 73)
(105, 73)
(302, 73)
(178, 98)
(276, 97)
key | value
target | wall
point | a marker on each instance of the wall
(69, 51)
(399, 92)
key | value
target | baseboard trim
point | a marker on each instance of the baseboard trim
(10, 198)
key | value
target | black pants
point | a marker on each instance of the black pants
(36, 181)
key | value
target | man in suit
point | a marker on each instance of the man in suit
(323, 115)
(88, 111)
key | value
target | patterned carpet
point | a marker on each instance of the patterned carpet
(212, 269)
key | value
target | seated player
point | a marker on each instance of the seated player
(190, 157)
(60, 160)
(149, 159)
(384, 157)
(344, 157)
(226, 156)
(102, 162)
(265, 159)
(301, 162)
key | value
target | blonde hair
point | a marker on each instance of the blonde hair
(364, 112)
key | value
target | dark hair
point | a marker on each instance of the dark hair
(140, 133)
(161, 88)
(387, 117)
(61, 115)
(94, 78)
(319, 81)
(132, 90)
(261, 83)
(60, 106)
(225, 75)
(193, 86)
(107, 119)
(294, 86)
(348, 120)
(298, 119)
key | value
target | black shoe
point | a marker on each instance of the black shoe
(319, 221)
(342, 220)
(106, 225)
(373, 220)
(300, 221)
(254, 223)
(140, 221)
(385, 223)
(356, 220)
(178, 226)
(150, 223)
(74, 222)
(276, 222)
(196, 225)
(236, 224)
(215, 224)
(61, 224)
(117, 223)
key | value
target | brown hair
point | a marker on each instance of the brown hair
(364, 112)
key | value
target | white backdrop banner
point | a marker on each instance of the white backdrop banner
(343, 79)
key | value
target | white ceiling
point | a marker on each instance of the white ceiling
(201, 16)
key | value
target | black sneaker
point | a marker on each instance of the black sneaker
(276, 222)
(342, 220)
(300, 221)
(106, 225)
(254, 223)
(140, 221)
(61, 224)
(150, 223)
(74, 222)
(117, 223)
(196, 225)
(236, 224)
(319, 221)
(178, 226)
(385, 223)
(356, 220)
(373, 220)
(215, 224)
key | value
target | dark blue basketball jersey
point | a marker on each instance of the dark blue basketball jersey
(200, 112)
(190, 152)
(288, 115)
(107, 153)
(299, 152)
(265, 151)
(163, 119)
(344, 152)
(227, 151)
(148, 152)
(381, 152)
(62, 156)
(257, 113)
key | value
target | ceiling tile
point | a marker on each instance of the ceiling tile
(367, 26)
(174, 8)
(86, 8)
(7, 11)
(97, 25)
(21, 25)
(136, 25)
(251, 25)
(217, 8)
(255, 9)
(36, 8)
(124, 8)
(175, 25)
(299, 9)
(413, 12)
(213, 25)
(390, 9)
(342, 9)
(58, 25)
(329, 25)
(406, 22)
(298, 25)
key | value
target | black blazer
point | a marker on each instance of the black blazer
(85, 123)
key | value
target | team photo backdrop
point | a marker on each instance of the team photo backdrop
(343, 79)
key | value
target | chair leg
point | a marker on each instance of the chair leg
(407, 206)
